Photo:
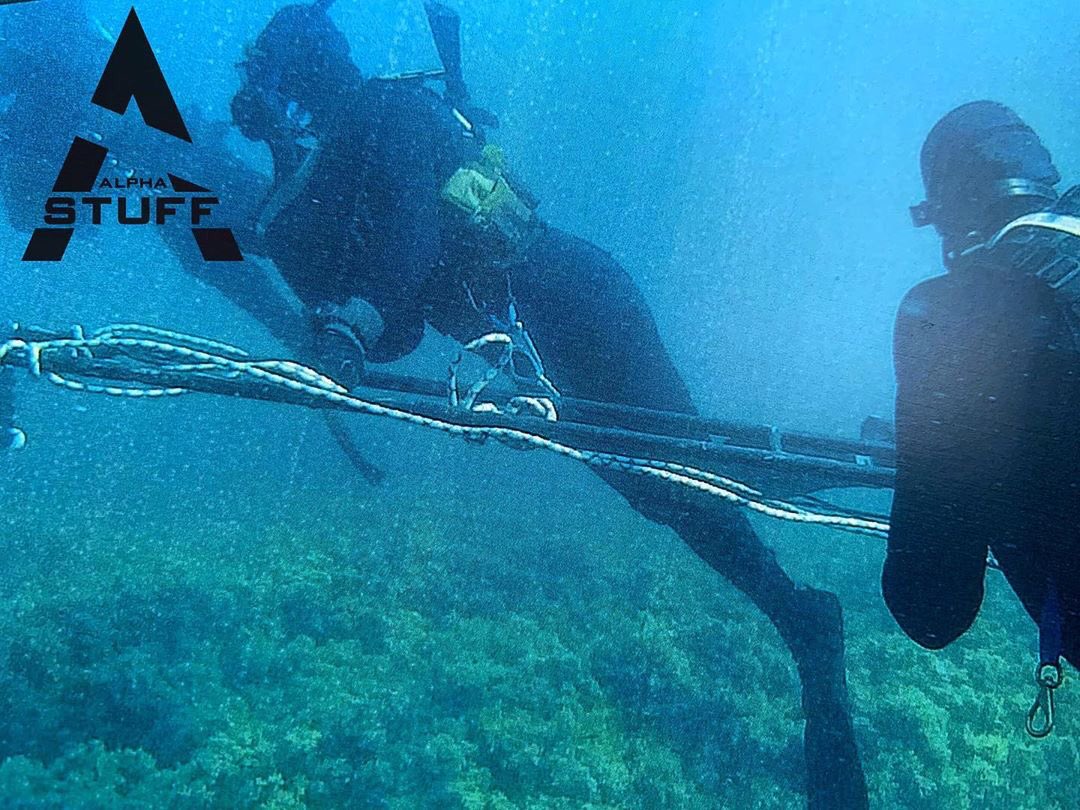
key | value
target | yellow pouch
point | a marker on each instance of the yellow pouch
(481, 191)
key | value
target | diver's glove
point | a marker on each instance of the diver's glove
(340, 352)
(253, 115)
(343, 334)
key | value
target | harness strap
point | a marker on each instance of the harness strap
(1057, 270)
(287, 191)
(1063, 223)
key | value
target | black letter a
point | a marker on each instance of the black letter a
(133, 73)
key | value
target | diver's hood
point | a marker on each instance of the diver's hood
(317, 55)
(976, 157)
(301, 56)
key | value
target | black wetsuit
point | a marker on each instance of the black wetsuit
(386, 237)
(367, 222)
(988, 453)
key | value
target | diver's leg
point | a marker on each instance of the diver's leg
(809, 621)
(599, 341)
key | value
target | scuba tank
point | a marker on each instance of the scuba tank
(482, 195)
(445, 28)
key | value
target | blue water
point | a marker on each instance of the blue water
(203, 605)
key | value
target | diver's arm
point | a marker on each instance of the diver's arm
(399, 206)
(249, 285)
(933, 575)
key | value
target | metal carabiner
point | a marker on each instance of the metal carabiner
(1048, 676)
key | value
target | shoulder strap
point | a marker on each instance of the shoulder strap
(1045, 245)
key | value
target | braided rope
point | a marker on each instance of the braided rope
(543, 407)
(195, 354)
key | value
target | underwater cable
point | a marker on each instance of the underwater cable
(133, 360)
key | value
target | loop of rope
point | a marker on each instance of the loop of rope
(543, 407)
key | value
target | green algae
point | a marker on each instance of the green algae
(366, 655)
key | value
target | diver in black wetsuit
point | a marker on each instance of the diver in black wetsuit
(988, 439)
(389, 212)
(51, 59)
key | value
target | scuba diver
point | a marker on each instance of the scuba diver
(46, 91)
(51, 59)
(389, 211)
(988, 441)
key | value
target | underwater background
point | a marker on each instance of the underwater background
(202, 605)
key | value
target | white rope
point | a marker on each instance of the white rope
(315, 386)
(542, 406)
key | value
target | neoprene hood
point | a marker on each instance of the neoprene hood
(974, 159)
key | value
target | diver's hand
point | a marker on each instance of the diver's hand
(340, 352)
(344, 333)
